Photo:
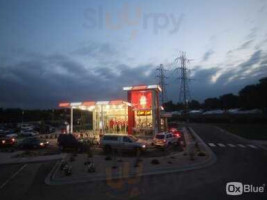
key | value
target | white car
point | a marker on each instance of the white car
(122, 142)
(164, 139)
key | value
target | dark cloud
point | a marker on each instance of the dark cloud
(207, 55)
(254, 59)
(205, 74)
(264, 62)
(42, 83)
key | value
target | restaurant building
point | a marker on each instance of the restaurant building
(140, 114)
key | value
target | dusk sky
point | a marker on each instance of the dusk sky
(63, 50)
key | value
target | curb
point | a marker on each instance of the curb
(212, 157)
(241, 138)
(50, 179)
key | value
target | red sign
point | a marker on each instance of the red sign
(141, 99)
(63, 105)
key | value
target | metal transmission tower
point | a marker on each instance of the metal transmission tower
(161, 76)
(184, 93)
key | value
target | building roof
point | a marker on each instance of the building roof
(91, 103)
(143, 87)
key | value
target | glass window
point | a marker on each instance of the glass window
(160, 136)
(126, 139)
(112, 138)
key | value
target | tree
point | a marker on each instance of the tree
(229, 101)
(180, 106)
(169, 106)
(263, 92)
(212, 103)
(194, 105)
(249, 97)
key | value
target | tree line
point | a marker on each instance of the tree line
(250, 97)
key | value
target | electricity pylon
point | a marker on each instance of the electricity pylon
(184, 93)
(162, 83)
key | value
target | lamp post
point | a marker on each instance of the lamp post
(71, 120)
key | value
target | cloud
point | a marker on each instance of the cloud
(207, 55)
(215, 81)
(93, 49)
(205, 74)
(42, 83)
(245, 45)
(254, 59)
(253, 33)
(44, 80)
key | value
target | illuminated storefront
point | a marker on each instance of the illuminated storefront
(140, 115)
(108, 116)
(143, 115)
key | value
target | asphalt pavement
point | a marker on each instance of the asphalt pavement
(237, 161)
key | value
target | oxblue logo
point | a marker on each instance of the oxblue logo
(234, 188)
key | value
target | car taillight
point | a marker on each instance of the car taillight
(13, 140)
(41, 144)
(164, 141)
(3, 141)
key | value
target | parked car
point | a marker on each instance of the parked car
(28, 133)
(164, 139)
(33, 143)
(69, 141)
(52, 129)
(9, 134)
(176, 133)
(108, 142)
(7, 141)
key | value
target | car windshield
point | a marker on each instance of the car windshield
(160, 136)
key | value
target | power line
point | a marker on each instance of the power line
(161, 76)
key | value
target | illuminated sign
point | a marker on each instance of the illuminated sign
(143, 112)
(63, 105)
(141, 100)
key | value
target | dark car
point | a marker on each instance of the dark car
(33, 143)
(7, 141)
(69, 141)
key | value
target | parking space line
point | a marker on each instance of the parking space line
(221, 145)
(212, 145)
(231, 145)
(252, 146)
(241, 145)
(13, 176)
